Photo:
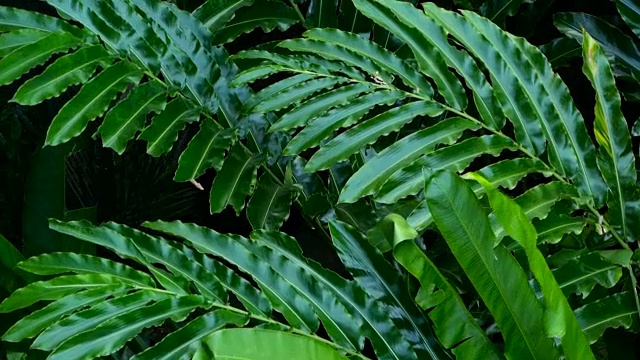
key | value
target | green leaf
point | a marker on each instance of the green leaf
(234, 181)
(58, 263)
(614, 42)
(159, 251)
(9, 255)
(320, 128)
(274, 89)
(498, 10)
(553, 228)
(72, 69)
(375, 172)
(581, 274)
(615, 155)
(125, 119)
(455, 158)
(267, 344)
(55, 289)
(184, 342)
(379, 279)
(269, 206)
(23, 59)
(526, 94)
(214, 14)
(465, 226)
(391, 227)
(206, 150)
(164, 128)
(322, 14)
(560, 51)
(351, 141)
(293, 94)
(32, 324)
(267, 15)
(253, 300)
(10, 41)
(559, 320)
(239, 251)
(112, 334)
(455, 326)
(409, 30)
(91, 101)
(367, 50)
(610, 312)
(318, 105)
(13, 18)
(91, 318)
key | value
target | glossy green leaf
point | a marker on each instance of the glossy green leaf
(164, 128)
(58, 263)
(112, 334)
(615, 155)
(184, 342)
(381, 281)
(382, 57)
(498, 10)
(55, 289)
(129, 116)
(91, 101)
(91, 318)
(267, 344)
(375, 172)
(322, 13)
(214, 14)
(23, 59)
(12, 40)
(239, 251)
(506, 173)
(272, 90)
(253, 300)
(206, 150)
(323, 126)
(14, 18)
(610, 312)
(351, 141)
(525, 93)
(465, 226)
(234, 181)
(318, 105)
(455, 158)
(32, 324)
(614, 42)
(559, 320)
(580, 275)
(269, 206)
(72, 69)
(408, 29)
(267, 15)
(455, 326)
(393, 226)
(555, 226)
(294, 94)
(561, 51)
(159, 251)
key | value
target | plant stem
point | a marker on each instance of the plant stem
(295, 7)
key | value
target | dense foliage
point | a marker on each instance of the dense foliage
(450, 197)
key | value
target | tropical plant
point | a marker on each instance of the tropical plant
(442, 93)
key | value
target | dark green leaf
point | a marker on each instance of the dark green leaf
(269, 206)
(234, 181)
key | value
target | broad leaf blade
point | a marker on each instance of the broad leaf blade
(72, 69)
(465, 226)
(269, 206)
(615, 155)
(124, 120)
(234, 181)
(164, 128)
(267, 344)
(91, 101)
